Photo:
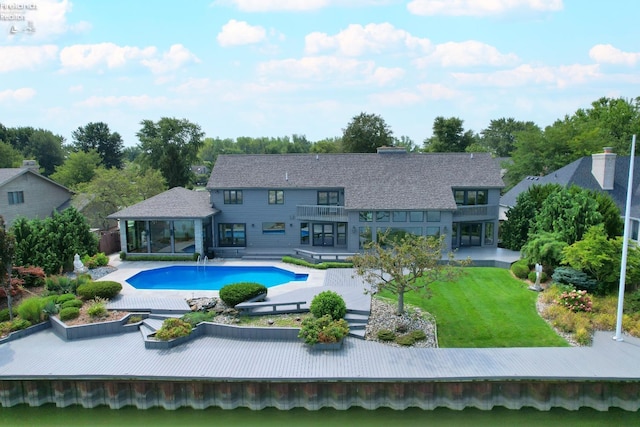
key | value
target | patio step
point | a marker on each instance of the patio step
(153, 323)
(357, 333)
(145, 331)
(359, 312)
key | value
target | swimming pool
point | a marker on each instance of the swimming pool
(210, 278)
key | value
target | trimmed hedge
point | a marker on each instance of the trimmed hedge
(328, 302)
(236, 293)
(61, 299)
(103, 289)
(320, 266)
(133, 257)
(69, 313)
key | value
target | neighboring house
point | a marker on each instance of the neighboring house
(605, 172)
(328, 202)
(26, 193)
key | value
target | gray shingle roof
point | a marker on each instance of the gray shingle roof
(370, 181)
(579, 173)
(175, 203)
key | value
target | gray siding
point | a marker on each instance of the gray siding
(41, 198)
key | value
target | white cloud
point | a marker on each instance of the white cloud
(607, 54)
(140, 102)
(523, 75)
(176, 57)
(25, 57)
(19, 95)
(357, 40)
(467, 54)
(240, 33)
(274, 5)
(480, 7)
(383, 76)
(317, 68)
(423, 92)
(76, 88)
(87, 56)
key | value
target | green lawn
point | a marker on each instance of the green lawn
(486, 307)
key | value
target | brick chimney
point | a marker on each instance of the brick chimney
(603, 168)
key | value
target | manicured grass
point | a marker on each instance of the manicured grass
(486, 308)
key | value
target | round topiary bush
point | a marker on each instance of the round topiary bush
(328, 302)
(520, 269)
(61, 299)
(236, 293)
(532, 276)
(103, 289)
(69, 313)
(386, 335)
(72, 303)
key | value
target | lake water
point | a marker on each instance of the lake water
(76, 416)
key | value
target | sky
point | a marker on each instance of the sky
(274, 68)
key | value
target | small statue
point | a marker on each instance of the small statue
(538, 270)
(78, 266)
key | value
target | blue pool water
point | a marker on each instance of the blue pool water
(210, 278)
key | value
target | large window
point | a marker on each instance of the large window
(231, 234)
(400, 216)
(433, 216)
(137, 236)
(160, 236)
(273, 228)
(365, 216)
(365, 236)
(16, 197)
(416, 216)
(471, 197)
(232, 197)
(382, 216)
(304, 233)
(276, 197)
(488, 233)
(176, 236)
(184, 236)
(328, 198)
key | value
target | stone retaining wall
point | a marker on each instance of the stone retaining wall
(541, 395)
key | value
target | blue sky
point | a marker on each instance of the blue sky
(278, 67)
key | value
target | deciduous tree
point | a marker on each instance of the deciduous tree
(97, 136)
(449, 136)
(171, 145)
(407, 263)
(80, 167)
(7, 252)
(365, 133)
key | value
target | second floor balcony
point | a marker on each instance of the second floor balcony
(321, 213)
(476, 211)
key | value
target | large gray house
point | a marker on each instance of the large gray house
(321, 203)
(26, 193)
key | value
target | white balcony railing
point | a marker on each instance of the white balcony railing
(321, 213)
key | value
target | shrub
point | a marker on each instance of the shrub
(69, 313)
(61, 299)
(97, 260)
(123, 256)
(196, 317)
(386, 335)
(103, 289)
(135, 319)
(632, 302)
(173, 328)
(97, 308)
(532, 276)
(60, 285)
(577, 278)
(418, 335)
(575, 301)
(19, 324)
(72, 303)
(50, 308)
(328, 302)
(323, 329)
(405, 340)
(239, 292)
(4, 314)
(31, 309)
(520, 269)
(33, 276)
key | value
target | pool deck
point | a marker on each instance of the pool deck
(209, 358)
